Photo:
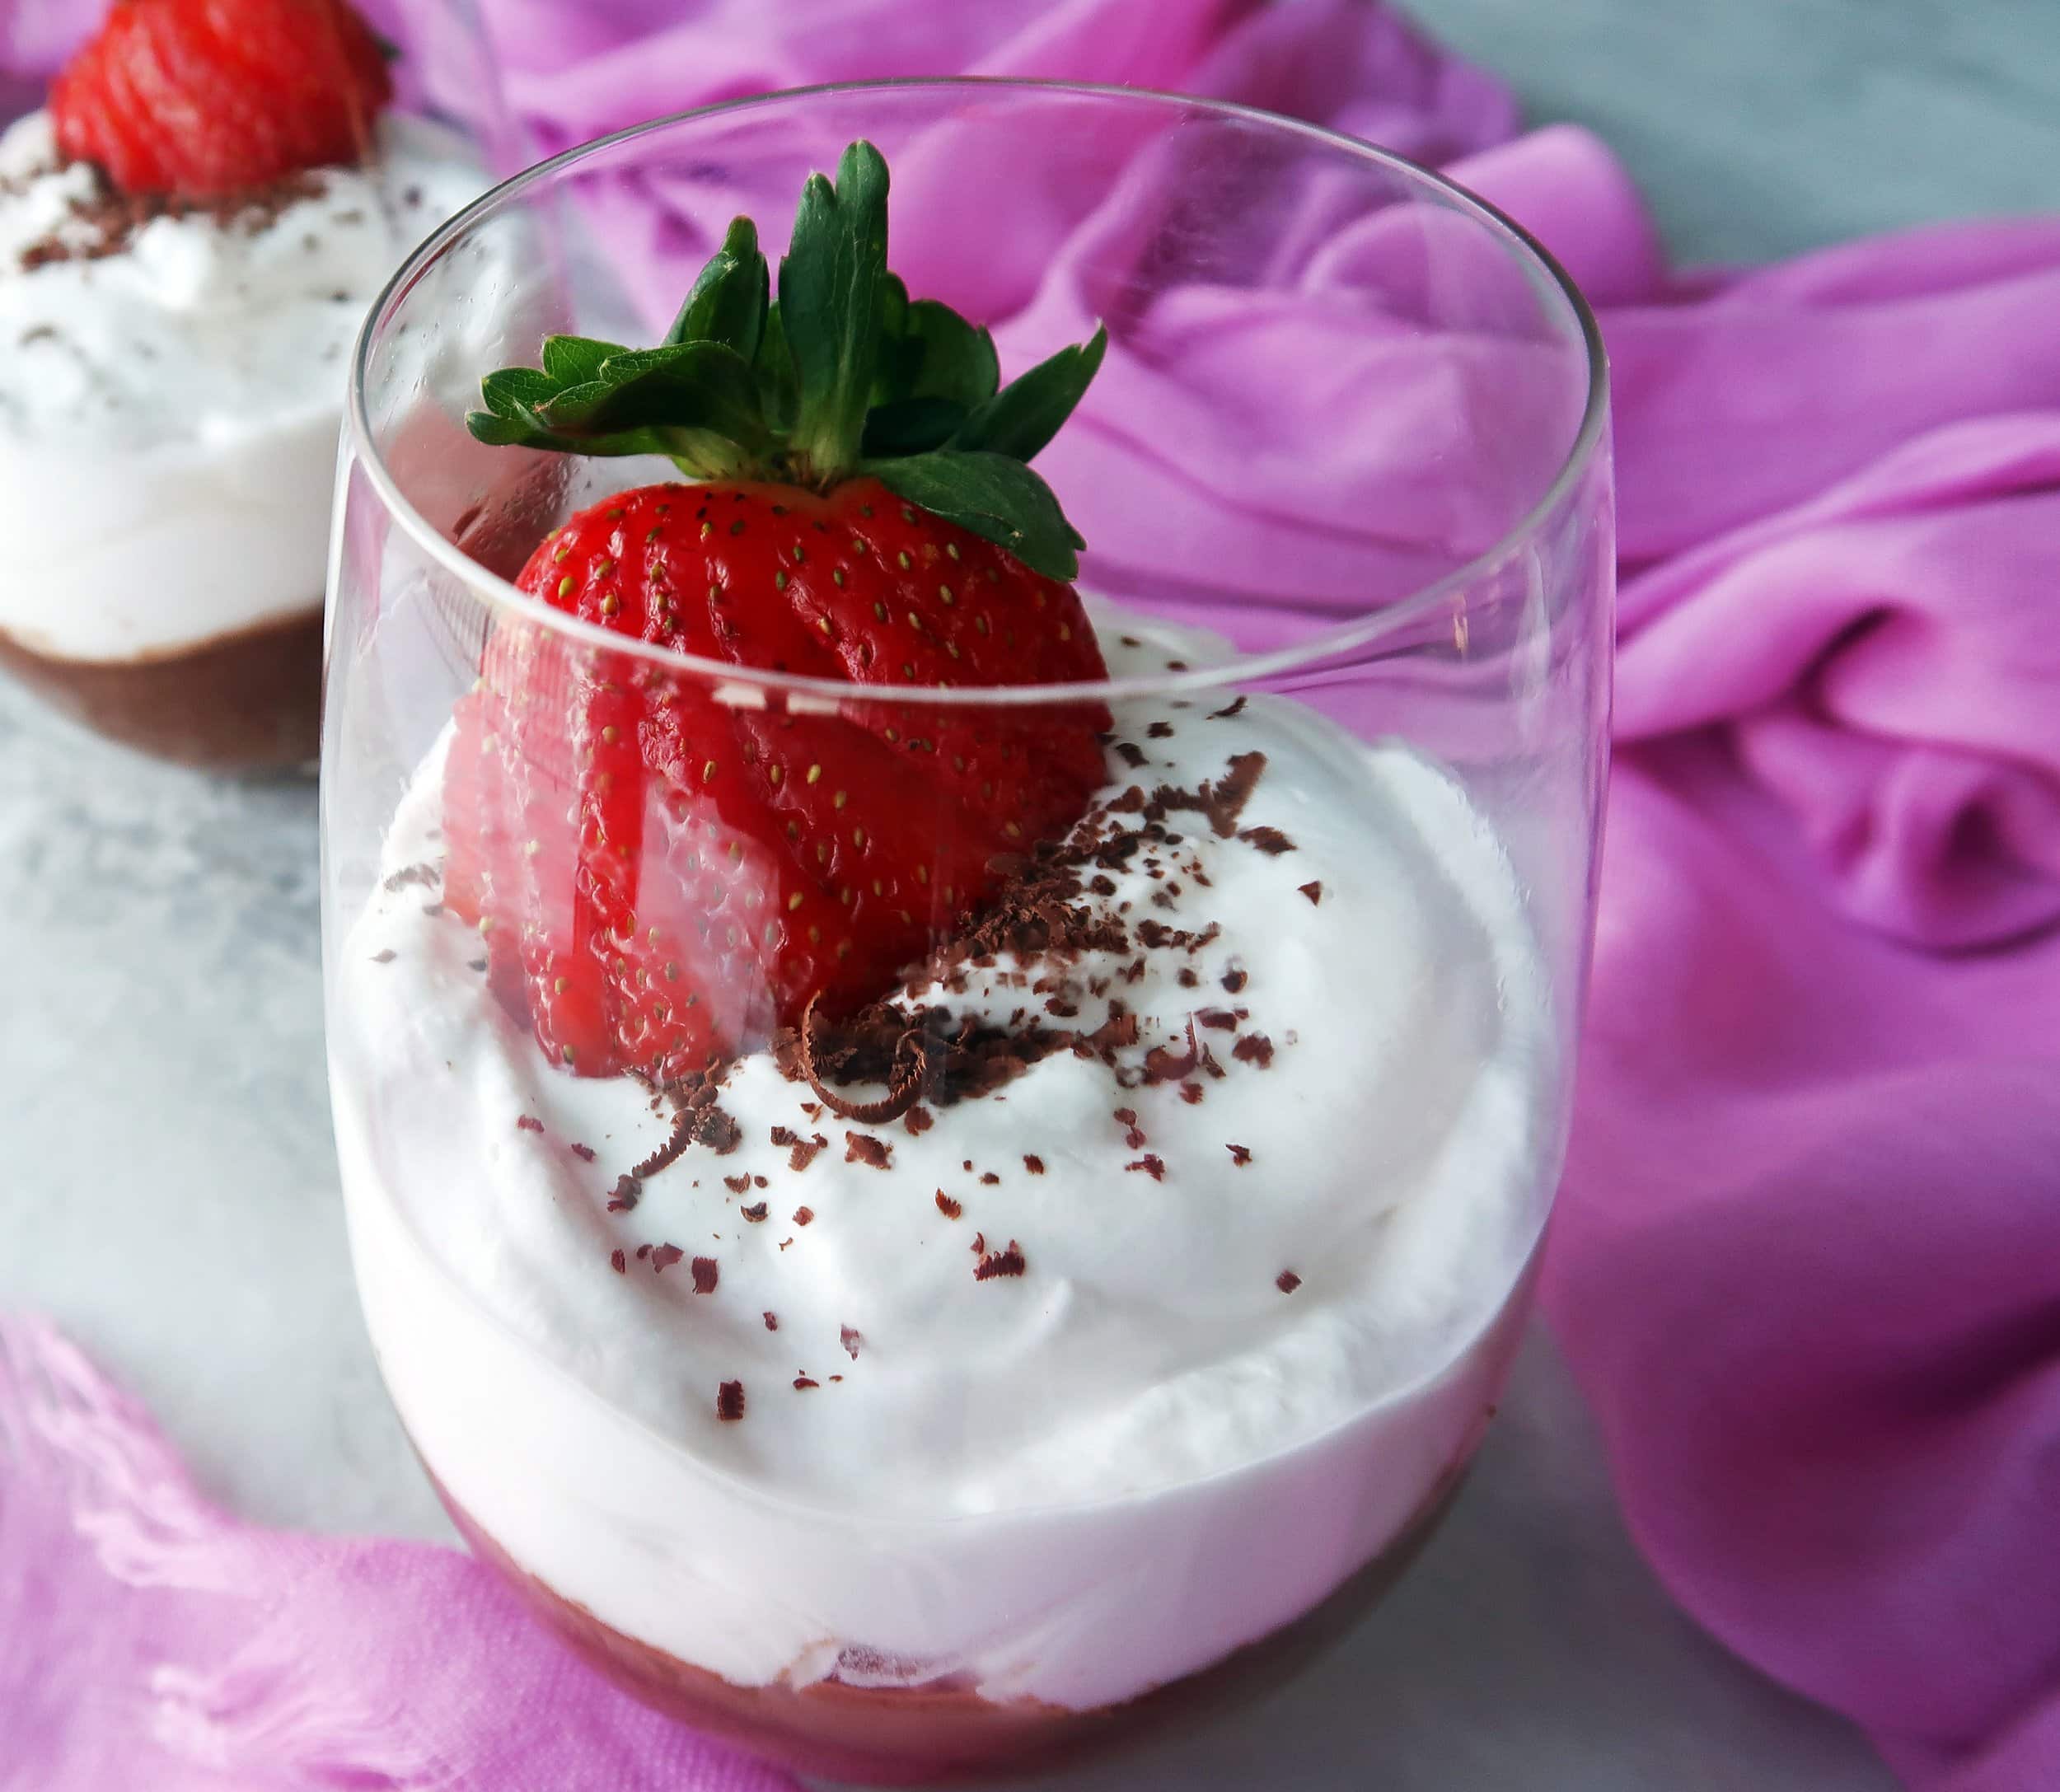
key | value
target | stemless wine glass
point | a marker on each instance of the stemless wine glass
(908, 1290)
(168, 416)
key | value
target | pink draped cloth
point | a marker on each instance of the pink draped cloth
(1807, 1264)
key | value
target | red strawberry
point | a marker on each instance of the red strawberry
(666, 867)
(202, 97)
(701, 871)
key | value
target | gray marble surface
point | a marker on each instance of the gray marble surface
(167, 1190)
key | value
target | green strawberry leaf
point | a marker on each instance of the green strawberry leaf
(1021, 417)
(958, 363)
(910, 426)
(515, 391)
(994, 497)
(574, 360)
(727, 301)
(829, 282)
(773, 368)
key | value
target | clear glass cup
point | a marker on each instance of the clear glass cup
(169, 415)
(899, 1442)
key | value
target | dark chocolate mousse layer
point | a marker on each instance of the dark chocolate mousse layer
(250, 701)
(942, 1734)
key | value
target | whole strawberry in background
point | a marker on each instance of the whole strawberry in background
(666, 866)
(200, 99)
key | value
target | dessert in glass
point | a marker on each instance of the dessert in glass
(191, 231)
(945, 1127)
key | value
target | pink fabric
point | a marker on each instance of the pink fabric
(151, 1643)
(1808, 1260)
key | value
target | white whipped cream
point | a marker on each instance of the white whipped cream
(1074, 1483)
(168, 413)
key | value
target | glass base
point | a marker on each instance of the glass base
(940, 1735)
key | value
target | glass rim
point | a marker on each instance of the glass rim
(502, 596)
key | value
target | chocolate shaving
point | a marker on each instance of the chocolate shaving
(804, 1381)
(1161, 1065)
(385, 956)
(664, 1257)
(528, 1123)
(989, 1178)
(1234, 980)
(1287, 1281)
(1235, 707)
(950, 1208)
(1221, 1019)
(424, 873)
(1313, 891)
(585, 1153)
(1223, 802)
(852, 1340)
(1133, 754)
(919, 1119)
(106, 222)
(707, 1272)
(1152, 1164)
(803, 1216)
(729, 1401)
(628, 1192)
(772, 1320)
(904, 1082)
(1239, 1155)
(863, 1148)
(1269, 840)
(754, 1212)
(618, 1262)
(1253, 1048)
(1007, 1262)
(1034, 1165)
(737, 1184)
(1160, 731)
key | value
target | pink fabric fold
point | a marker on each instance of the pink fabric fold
(1807, 1263)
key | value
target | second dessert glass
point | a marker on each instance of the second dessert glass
(948, 1373)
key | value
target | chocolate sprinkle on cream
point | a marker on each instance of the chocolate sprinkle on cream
(804, 1381)
(585, 1153)
(1239, 1155)
(528, 1123)
(1133, 755)
(628, 1192)
(754, 1212)
(1152, 1164)
(1034, 1165)
(1269, 840)
(618, 1262)
(989, 1178)
(852, 1340)
(1235, 707)
(919, 1119)
(1234, 980)
(664, 1257)
(1160, 731)
(863, 1148)
(803, 1216)
(729, 1401)
(385, 956)
(1287, 1281)
(706, 1274)
(1009, 1262)
(950, 1208)
(737, 1184)
(1254, 1048)
(1314, 889)
(771, 1319)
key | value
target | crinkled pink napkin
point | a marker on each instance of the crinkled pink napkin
(1808, 1263)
